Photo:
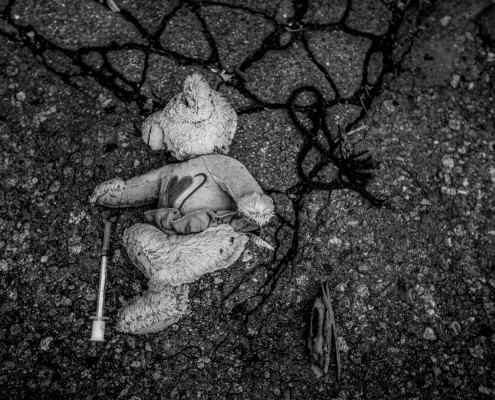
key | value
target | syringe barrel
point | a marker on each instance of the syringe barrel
(101, 289)
(98, 329)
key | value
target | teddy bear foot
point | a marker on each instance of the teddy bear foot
(154, 311)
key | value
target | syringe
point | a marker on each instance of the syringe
(98, 331)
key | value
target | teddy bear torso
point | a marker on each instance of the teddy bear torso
(191, 200)
(191, 187)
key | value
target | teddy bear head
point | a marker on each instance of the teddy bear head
(196, 121)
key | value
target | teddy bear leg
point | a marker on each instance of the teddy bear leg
(154, 311)
(141, 242)
(186, 258)
(178, 259)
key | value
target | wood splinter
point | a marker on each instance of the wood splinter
(323, 334)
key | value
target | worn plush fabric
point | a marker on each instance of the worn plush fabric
(154, 310)
(207, 209)
(177, 259)
(170, 261)
(196, 121)
(192, 194)
(171, 219)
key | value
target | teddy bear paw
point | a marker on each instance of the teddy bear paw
(111, 187)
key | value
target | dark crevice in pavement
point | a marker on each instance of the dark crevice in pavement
(356, 170)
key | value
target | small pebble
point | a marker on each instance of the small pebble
(363, 291)
(455, 81)
(341, 287)
(477, 351)
(105, 103)
(429, 334)
(20, 96)
(317, 371)
(285, 38)
(75, 245)
(131, 342)
(454, 124)
(485, 390)
(389, 106)
(343, 347)
(12, 71)
(247, 255)
(55, 187)
(65, 301)
(492, 174)
(448, 162)
(445, 20)
(44, 259)
(90, 296)
(156, 375)
(46, 342)
(4, 266)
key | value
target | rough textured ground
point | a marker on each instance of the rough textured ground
(409, 254)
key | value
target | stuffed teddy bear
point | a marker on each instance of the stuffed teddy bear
(208, 205)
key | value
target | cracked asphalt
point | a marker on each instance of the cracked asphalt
(370, 123)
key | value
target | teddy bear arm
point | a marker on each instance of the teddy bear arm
(234, 178)
(139, 190)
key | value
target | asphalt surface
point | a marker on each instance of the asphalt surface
(370, 123)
